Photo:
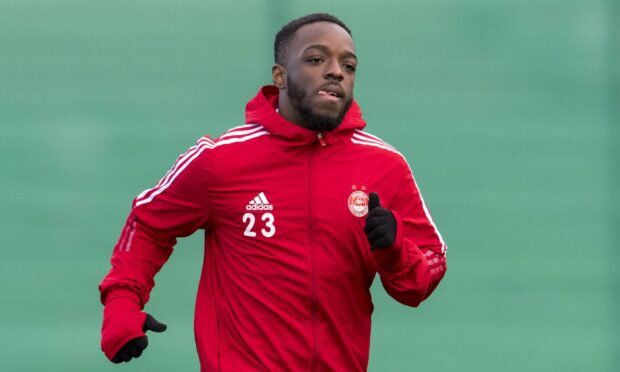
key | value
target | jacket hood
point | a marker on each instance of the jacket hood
(262, 110)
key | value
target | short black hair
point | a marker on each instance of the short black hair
(285, 35)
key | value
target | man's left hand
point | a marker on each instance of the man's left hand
(380, 224)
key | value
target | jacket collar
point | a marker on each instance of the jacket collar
(262, 110)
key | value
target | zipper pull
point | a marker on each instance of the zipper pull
(321, 139)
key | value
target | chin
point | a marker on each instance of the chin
(328, 114)
(322, 122)
(319, 116)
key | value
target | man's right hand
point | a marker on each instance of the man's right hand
(134, 348)
(124, 325)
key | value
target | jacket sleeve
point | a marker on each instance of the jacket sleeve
(176, 207)
(415, 264)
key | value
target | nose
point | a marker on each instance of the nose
(334, 71)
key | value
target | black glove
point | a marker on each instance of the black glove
(134, 348)
(380, 224)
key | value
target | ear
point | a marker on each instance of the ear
(278, 76)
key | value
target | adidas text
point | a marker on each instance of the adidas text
(259, 207)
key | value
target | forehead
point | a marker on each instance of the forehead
(328, 34)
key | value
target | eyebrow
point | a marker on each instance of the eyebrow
(326, 50)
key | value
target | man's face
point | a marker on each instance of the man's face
(320, 75)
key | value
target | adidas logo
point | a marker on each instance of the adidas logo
(259, 203)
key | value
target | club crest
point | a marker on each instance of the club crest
(358, 203)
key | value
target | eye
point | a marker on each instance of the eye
(314, 60)
(350, 67)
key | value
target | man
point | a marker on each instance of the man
(300, 208)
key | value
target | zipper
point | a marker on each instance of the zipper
(321, 137)
(314, 295)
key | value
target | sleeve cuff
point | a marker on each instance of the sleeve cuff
(122, 320)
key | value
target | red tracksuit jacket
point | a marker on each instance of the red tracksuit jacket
(287, 266)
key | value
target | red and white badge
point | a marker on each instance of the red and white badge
(358, 203)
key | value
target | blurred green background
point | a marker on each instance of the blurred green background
(507, 111)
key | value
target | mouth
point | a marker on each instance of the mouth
(332, 92)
